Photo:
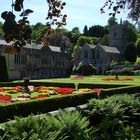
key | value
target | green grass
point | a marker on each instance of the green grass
(93, 80)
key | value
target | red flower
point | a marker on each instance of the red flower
(40, 88)
(64, 90)
(115, 79)
(18, 88)
(4, 98)
(40, 96)
(1, 90)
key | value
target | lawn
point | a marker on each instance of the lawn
(93, 80)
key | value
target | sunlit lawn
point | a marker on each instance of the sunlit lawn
(92, 80)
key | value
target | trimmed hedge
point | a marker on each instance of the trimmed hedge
(84, 85)
(49, 84)
(42, 106)
(120, 90)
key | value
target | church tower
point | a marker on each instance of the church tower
(117, 37)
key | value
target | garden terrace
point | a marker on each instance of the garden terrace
(65, 98)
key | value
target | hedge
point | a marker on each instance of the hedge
(37, 106)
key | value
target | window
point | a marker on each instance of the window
(17, 58)
(85, 54)
(20, 59)
(23, 59)
(97, 56)
(115, 34)
(93, 54)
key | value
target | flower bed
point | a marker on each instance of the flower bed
(117, 79)
(18, 93)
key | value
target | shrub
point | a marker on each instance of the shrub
(63, 126)
(3, 69)
(131, 52)
(112, 114)
(86, 69)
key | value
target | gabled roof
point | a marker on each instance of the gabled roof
(32, 46)
(3, 42)
(55, 48)
(110, 49)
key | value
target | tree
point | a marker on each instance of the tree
(17, 31)
(118, 5)
(75, 30)
(97, 31)
(83, 39)
(85, 31)
(130, 32)
(85, 69)
(131, 52)
(1, 31)
(112, 21)
(138, 47)
(105, 40)
(37, 30)
(58, 39)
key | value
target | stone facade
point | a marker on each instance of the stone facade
(117, 38)
(98, 55)
(36, 62)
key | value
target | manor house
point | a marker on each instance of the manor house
(99, 56)
(36, 61)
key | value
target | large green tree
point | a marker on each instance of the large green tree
(85, 31)
(1, 31)
(97, 31)
(130, 32)
(138, 47)
(83, 39)
(131, 52)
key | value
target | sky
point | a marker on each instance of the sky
(80, 12)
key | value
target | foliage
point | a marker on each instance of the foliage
(105, 40)
(38, 29)
(75, 30)
(1, 31)
(97, 31)
(138, 47)
(119, 5)
(85, 31)
(131, 52)
(83, 39)
(95, 40)
(59, 39)
(112, 114)
(29, 128)
(3, 69)
(70, 124)
(86, 69)
(112, 21)
(66, 126)
(138, 60)
(130, 31)
(17, 31)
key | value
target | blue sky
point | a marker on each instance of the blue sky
(80, 12)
